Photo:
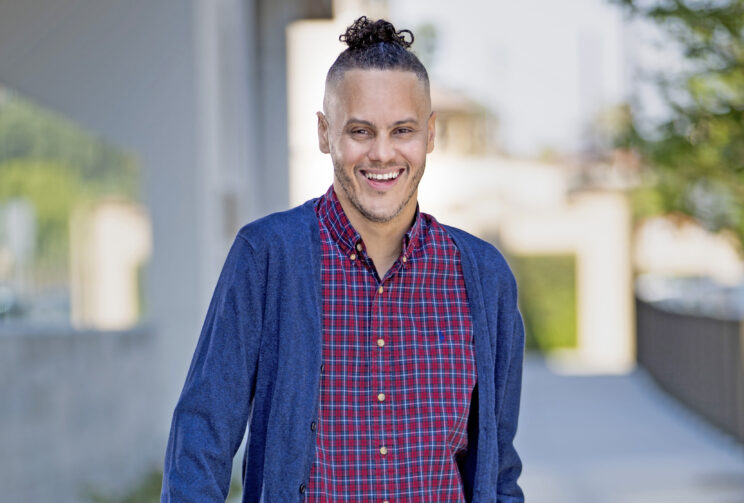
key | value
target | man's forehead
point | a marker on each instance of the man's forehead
(360, 87)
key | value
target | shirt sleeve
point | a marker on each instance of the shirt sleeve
(211, 413)
(510, 464)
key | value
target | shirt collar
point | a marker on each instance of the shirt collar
(343, 233)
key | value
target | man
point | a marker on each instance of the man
(376, 353)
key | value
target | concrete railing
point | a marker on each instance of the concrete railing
(76, 412)
(698, 360)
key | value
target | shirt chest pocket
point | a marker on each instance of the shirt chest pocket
(444, 349)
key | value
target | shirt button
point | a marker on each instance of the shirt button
(381, 397)
(383, 450)
(352, 256)
(404, 258)
(313, 425)
(379, 290)
(302, 488)
(380, 342)
(385, 501)
(359, 246)
(322, 366)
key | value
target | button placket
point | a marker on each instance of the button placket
(376, 376)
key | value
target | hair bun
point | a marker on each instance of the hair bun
(365, 33)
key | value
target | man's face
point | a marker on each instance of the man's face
(378, 130)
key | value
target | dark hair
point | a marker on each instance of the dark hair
(376, 45)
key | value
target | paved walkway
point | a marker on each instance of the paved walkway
(619, 439)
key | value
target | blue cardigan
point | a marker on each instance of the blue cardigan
(258, 361)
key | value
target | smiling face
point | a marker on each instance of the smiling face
(378, 129)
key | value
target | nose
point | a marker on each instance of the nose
(381, 150)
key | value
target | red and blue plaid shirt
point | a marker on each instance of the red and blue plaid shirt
(398, 367)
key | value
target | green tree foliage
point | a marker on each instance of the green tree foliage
(696, 156)
(53, 190)
(56, 166)
(29, 132)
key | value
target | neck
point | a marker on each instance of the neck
(383, 240)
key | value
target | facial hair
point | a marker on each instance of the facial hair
(347, 185)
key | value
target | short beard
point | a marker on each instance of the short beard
(348, 187)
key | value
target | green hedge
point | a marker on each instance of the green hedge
(547, 299)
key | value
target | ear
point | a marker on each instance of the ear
(323, 133)
(431, 132)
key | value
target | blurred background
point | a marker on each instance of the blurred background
(599, 144)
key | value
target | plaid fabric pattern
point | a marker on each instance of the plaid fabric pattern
(398, 368)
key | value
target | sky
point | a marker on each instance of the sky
(546, 68)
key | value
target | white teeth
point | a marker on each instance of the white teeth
(382, 176)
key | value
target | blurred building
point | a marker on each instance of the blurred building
(464, 126)
(678, 245)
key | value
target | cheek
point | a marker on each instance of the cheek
(350, 152)
(414, 153)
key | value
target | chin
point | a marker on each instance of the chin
(381, 215)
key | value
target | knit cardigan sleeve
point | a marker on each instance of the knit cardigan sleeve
(210, 417)
(510, 465)
(505, 321)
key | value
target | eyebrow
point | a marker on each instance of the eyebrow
(354, 120)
